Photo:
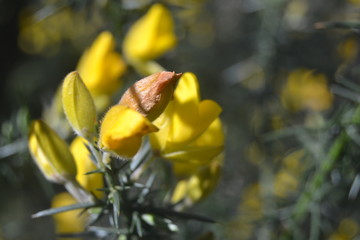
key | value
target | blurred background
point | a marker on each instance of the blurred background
(285, 72)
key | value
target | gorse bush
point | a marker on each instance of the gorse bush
(182, 120)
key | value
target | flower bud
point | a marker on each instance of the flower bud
(150, 96)
(78, 105)
(51, 153)
(122, 129)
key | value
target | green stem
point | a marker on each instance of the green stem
(15, 147)
(78, 192)
(305, 199)
(103, 161)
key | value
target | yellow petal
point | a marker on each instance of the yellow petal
(201, 182)
(187, 159)
(151, 36)
(51, 153)
(100, 66)
(186, 127)
(70, 221)
(184, 169)
(163, 122)
(208, 145)
(213, 136)
(186, 111)
(205, 181)
(122, 130)
(208, 112)
(185, 119)
(187, 91)
(84, 164)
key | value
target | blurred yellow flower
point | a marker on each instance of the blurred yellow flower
(84, 164)
(251, 204)
(349, 48)
(347, 230)
(71, 221)
(78, 106)
(190, 130)
(286, 180)
(284, 184)
(355, 2)
(294, 162)
(122, 130)
(51, 153)
(151, 36)
(150, 96)
(250, 211)
(43, 34)
(306, 89)
(101, 66)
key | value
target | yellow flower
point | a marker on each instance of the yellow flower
(190, 130)
(78, 106)
(251, 204)
(101, 66)
(151, 36)
(71, 221)
(306, 90)
(84, 164)
(51, 153)
(149, 96)
(44, 35)
(286, 180)
(200, 184)
(285, 184)
(191, 136)
(250, 211)
(354, 2)
(348, 229)
(349, 48)
(122, 130)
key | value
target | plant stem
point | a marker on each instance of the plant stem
(308, 195)
(78, 192)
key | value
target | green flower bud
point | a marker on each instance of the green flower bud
(78, 106)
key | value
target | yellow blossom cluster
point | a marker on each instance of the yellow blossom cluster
(165, 105)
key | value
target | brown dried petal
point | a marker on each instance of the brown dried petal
(150, 96)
